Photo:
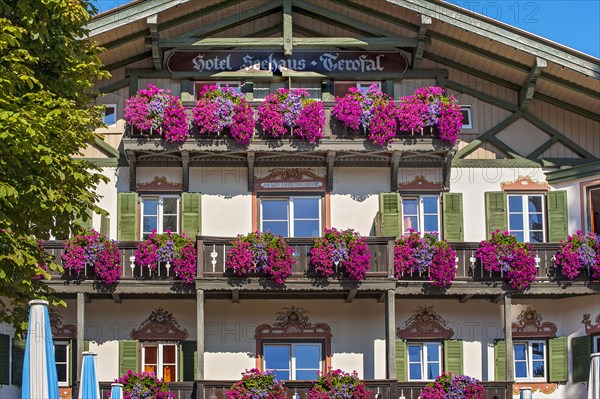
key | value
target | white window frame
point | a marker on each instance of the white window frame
(367, 83)
(160, 361)
(67, 361)
(292, 351)
(525, 214)
(290, 217)
(421, 212)
(159, 222)
(529, 360)
(228, 83)
(423, 361)
(595, 343)
(114, 107)
(467, 108)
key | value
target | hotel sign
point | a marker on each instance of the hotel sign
(326, 62)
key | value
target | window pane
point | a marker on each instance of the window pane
(515, 203)
(410, 222)
(110, 116)
(170, 223)
(414, 353)
(306, 208)
(150, 223)
(409, 206)
(415, 371)
(150, 356)
(516, 221)
(281, 374)
(520, 351)
(277, 228)
(433, 352)
(170, 206)
(433, 370)
(307, 374)
(521, 369)
(519, 234)
(150, 206)
(308, 356)
(60, 353)
(537, 350)
(150, 369)
(536, 221)
(431, 223)
(277, 357)
(536, 236)
(538, 369)
(275, 210)
(61, 372)
(169, 354)
(534, 204)
(169, 373)
(430, 205)
(306, 228)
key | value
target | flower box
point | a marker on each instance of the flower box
(340, 253)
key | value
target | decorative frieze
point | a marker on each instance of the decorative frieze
(589, 327)
(530, 325)
(160, 325)
(425, 323)
(159, 184)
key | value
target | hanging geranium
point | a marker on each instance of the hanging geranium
(425, 255)
(292, 110)
(256, 384)
(96, 251)
(261, 252)
(218, 109)
(157, 110)
(448, 386)
(580, 251)
(429, 107)
(144, 385)
(336, 384)
(515, 260)
(176, 250)
(345, 250)
(374, 111)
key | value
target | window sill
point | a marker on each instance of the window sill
(543, 387)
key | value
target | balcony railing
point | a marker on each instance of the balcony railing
(212, 256)
(181, 390)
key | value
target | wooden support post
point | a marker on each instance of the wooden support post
(390, 333)
(200, 329)
(330, 163)
(395, 165)
(508, 338)
(80, 332)
(152, 22)
(528, 89)
(132, 170)
(185, 170)
(422, 35)
(250, 160)
(287, 27)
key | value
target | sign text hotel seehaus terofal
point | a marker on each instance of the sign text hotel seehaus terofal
(363, 62)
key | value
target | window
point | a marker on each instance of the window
(595, 343)
(424, 360)
(341, 88)
(291, 217)
(263, 89)
(62, 356)
(530, 360)
(296, 361)
(593, 209)
(421, 213)
(313, 87)
(465, 110)
(235, 85)
(160, 359)
(159, 213)
(364, 86)
(526, 217)
(110, 115)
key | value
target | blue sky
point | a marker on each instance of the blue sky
(573, 23)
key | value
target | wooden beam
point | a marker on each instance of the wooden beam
(473, 145)
(392, 41)
(199, 375)
(465, 298)
(235, 296)
(185, 170)
(80, 332)
(497, 298)
(571, 86)
(528, 89)
(115, 86)
(152, 22)
(116, 297)
(595, 116)
(395, 166)
(130, 154)
(390, 334)
(250, 159)
(330, 21)
(508, 338)
(376, 14)
(381, 298)
(482, 96)
(418, 55)
(127, 61)
(288, 44)
(330, 165)
(222, 42)
(351, 295)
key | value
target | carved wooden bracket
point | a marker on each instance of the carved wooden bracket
(589, 327)
(60, 330)
(285, 179)
(425, 323)
(543, 387)
(525, 183)
(160, 325)
(420, 183)
(530, 326)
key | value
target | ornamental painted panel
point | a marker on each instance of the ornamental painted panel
(160, 325)
(530, 325)
(159, 184)
(425, 323)
(589, 327)
(290, 179)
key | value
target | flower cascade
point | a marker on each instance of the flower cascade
(578, 252)
(429, 107)
(173, 248)
(221, 108)
(95, 250)
(416, 254)
(336, 384)
(256, 385)
(144, 386)
(292, 109)
(516, 260)
(261, 252)
(345, 248)
(374, 111)
(448, 386)
(155, 109)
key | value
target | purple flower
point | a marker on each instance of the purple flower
(96, 251)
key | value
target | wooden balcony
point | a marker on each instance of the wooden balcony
(181, 390)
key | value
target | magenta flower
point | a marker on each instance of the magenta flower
(96, 251)
(580, 251)
(345, 252)
(336, 384)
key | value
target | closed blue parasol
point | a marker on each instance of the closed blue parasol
(89, 388)
(116, 391)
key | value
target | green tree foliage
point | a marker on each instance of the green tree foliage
(47, 75)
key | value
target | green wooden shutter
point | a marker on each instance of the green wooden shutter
(557, 216)
(188, 360)
(557, 354)
(128, 357)
(104, 226)
(495, 212)
(401, 361)
(18, 354)
(127, 217)
(581, 349)
(453, 217)
(85, 224)
(4, 359)
(389, 211)
(191, 214)
(453, 356)
(500, 360)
